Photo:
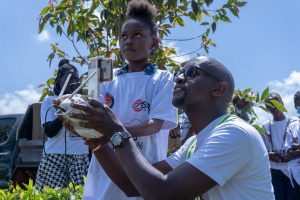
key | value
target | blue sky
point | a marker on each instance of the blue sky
(261, 48)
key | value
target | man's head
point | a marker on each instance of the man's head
(63, 72)
(273, 96)
(297, 101)
(204, 83)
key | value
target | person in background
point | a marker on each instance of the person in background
(65, 157)
(297, 102)
(226, 159)
(281, 133)
(294, 151)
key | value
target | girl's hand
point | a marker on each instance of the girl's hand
(99, 117)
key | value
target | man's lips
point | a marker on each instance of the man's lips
(178, 89)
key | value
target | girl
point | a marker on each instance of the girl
(141, 95)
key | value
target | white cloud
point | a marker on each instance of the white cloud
(43, 36)
(17, 102)
(286, 88)
(179, 51)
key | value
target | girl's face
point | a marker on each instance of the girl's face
(136, 41)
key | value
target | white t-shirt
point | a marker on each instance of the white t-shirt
(234, 156)
(135, 97)
(278, 130)
(56, 145)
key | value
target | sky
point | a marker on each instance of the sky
(261, 48)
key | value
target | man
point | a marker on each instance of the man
(281, 134)
(226, 159)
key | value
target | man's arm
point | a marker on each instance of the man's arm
(180, 183)
(113, 167)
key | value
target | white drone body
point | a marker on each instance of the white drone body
(100, 70)
(65, 109)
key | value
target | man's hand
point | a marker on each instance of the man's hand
(175, 132)
(99, 117)
(274, 157)
(293, 152)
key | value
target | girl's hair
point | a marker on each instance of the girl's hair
(142, 10)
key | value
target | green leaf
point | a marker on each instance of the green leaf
(58, 29)
(246, 91)
(252, 120)
(224, 18)
(180, 21)
(195, 7)
(45, 10)
(264, 109)
(208, 2)
(260, 129)
(241, 3)
(213, 26)
(279, 106)
(265, 94)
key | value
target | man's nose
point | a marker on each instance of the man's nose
(179, 79)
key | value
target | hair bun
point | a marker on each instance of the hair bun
(141, 8)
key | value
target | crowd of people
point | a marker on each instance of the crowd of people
(221, 156)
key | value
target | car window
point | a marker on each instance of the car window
(6, 126)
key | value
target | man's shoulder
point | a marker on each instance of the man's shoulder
(236, 126)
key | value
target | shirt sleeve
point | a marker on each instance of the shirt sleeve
(223, 154)
(161, 105)
(179, 156)
(47, 113)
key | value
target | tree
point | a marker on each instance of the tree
(77, 20)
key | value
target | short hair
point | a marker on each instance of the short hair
(296, 96)
(274, 96)
(143, 11)
(213, 66)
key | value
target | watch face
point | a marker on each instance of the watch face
(117, 140)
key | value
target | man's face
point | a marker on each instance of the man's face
(273, 110)
(193, 87)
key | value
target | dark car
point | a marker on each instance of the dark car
(21, 146)
(8, 129)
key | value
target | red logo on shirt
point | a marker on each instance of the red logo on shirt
(109, 100)
(140, 105)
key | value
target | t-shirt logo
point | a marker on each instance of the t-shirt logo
(141, 105)
(109, 100)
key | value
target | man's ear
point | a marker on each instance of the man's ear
(220, 89)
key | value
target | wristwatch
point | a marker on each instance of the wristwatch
(118, 138)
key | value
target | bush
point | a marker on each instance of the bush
(30, 193)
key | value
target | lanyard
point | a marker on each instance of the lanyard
(284, 136)
(192, 144)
